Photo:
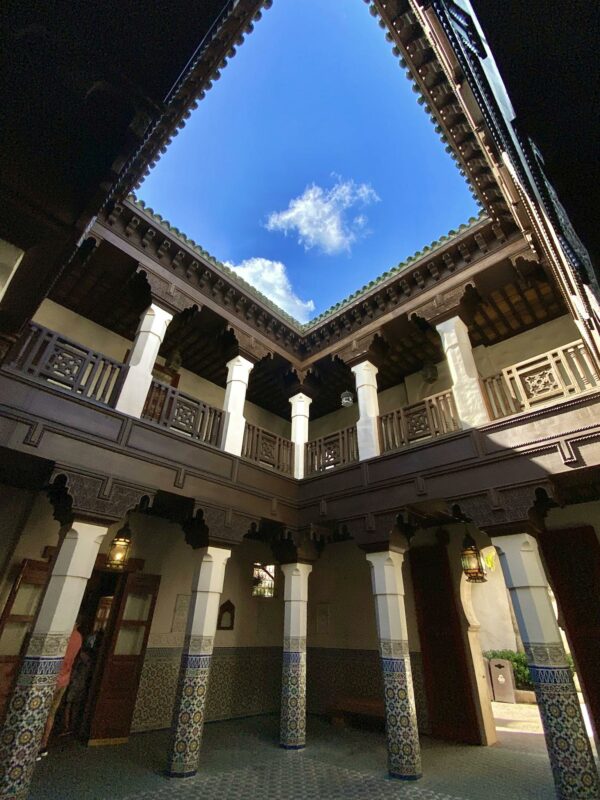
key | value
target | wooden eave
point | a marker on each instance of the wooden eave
(199, 279)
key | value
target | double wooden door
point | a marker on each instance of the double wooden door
(115, 682)
(113, 690)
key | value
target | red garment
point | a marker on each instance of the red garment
(73, 648)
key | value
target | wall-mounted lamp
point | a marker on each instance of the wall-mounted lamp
(347, 399)
(472, 561)
(119, 548)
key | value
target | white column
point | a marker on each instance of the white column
(148, 339)
(234, 422)
(300, 415)
(32, 696)
(367, 427)
(404, 752)
(466, 384)
(293, 688)
(190, 700)
(573, 767)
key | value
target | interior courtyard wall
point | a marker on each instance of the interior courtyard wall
(10, 258)
(491, 604)
(342, 642)
(246, 667)
(26, 517)
(496, 357)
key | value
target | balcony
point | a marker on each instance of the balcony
(334, 450)
(559, 373)
(183, 414)
(433, 416)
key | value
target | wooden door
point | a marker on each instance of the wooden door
(572, 558)
(448, 686)
(115, 691)
(17, 621)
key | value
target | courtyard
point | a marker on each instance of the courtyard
(240, 759)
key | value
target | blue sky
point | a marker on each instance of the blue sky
(309, 166)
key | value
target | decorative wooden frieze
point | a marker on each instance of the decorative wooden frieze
(78, 495)
(249, 346)
(497, 507)
(165, 293)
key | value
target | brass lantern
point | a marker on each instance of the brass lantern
(119, 548)
(472, 561)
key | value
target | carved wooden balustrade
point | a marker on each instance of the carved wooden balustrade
(561, 372)
(268, 449)
(331, 451)
(180, 412)
(433, 416)
(50, 357)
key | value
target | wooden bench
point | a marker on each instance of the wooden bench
(345, 708)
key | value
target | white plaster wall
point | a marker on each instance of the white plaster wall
(491, 605)
(496, 357)
(258, 620)
(10, 258)
(340, 594)
(32, 515)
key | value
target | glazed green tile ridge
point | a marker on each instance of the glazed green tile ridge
(428, 250)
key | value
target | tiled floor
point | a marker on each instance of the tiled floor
(240, 760)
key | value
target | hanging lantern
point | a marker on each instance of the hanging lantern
(472, 561)
(119, 549)
(347, 399)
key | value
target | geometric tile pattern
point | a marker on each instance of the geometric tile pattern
(404, 752)
(293, 694)
(571, 758)
(28, 711)
(190, 703)
(292, 780)
(244, 681)
(335, 672)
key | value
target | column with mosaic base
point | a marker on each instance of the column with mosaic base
(571, 758)
(404, 751)
(293, 679)
(192, 686)
(31, 699)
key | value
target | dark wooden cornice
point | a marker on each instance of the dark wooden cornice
(184, 275)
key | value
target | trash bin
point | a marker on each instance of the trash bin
(503, 682)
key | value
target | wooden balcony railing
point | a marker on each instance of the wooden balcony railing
(180, 412)
(331, 451)
(561, 372)
(52, 358)
(432, 416)
(268, 449)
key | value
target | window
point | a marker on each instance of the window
(263, 582)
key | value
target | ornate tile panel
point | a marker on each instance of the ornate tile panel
(27, 714)
(293, 700)
(404, 751)
(188, 715)
(571, 758)
(336, 672)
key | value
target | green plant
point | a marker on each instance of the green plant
(519, 664)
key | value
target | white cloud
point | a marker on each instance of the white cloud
(270, 278)
(319, 216)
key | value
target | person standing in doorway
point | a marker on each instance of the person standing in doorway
(64, 676)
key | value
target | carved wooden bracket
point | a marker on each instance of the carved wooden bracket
(249, 346)
(361, 349)
(166, 294)
(443, 306)
(96, 498)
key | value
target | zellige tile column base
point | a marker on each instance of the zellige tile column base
(569, 749)
(190, 705)
(404, 753)
(27, 713)
(293, 695)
